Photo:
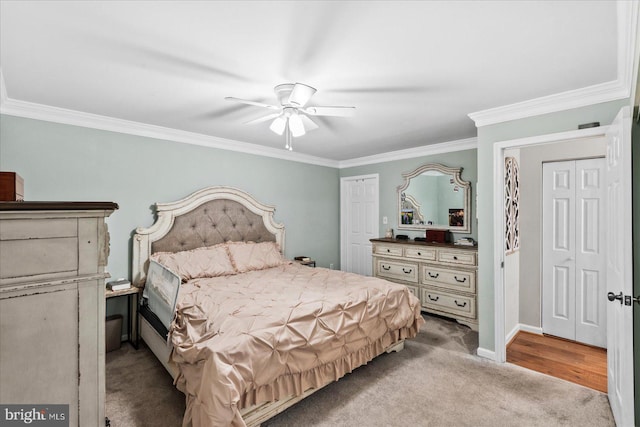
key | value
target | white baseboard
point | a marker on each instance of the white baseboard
(521, 327)
(532, 329)
(487, 354)
(512, 334)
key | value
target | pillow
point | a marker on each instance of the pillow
(254, 256)
(211, 261)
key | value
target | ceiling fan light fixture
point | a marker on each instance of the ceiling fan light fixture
(301, 94)
(278, 125)
(296, 126)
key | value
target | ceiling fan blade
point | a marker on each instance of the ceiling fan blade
(257, 104)
(301, 94)
(262, 119)
(331, 111)
(308, 124)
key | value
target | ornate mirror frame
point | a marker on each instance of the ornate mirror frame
(463, 185)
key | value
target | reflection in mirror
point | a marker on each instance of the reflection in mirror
(434, 196)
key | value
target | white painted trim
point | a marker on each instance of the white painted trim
(498, 219)
(524, 328)
(531, 329)
(48, 113)
(627, 42)
(411, 153)
(512, 334)
(499, 315)
(620, 88)
(487, 354)
(3, 90)
(596, 94)
(343, 209)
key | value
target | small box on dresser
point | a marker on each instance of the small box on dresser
(441, 275)
(11, 187)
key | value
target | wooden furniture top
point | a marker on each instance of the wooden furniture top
(56, 206)
(108, 293)
(413, 242)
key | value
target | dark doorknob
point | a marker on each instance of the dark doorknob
(612, 297)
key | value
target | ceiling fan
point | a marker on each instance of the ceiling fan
(291, 117)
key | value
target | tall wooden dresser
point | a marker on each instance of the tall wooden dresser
(442, 276)
(52, 306)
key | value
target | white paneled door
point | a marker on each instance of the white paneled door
(620, 270)
(359, 218)
(574, 265)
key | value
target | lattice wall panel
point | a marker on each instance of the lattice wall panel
(512, 204)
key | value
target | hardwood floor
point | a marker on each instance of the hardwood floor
(569, 360)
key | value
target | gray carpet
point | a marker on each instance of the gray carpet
(434, 381)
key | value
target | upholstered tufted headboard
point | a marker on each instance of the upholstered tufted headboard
(205, 218)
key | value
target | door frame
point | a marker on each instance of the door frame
(343, 210)
(500, 353)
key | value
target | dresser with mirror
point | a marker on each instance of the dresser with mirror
(442, 275)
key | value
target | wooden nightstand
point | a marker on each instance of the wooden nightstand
(132, 294)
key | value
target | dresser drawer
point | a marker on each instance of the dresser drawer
(427, 254)
(393, 250)
(397, 270)
(457, 257)
(460, 280)
(464, 306)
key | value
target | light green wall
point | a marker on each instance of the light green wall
(62, 162)
(390, 177)
(542, 125)
(487, 136)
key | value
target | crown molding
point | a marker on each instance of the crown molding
(627, 12)
(410, 153)
(48, 113)
(596, 94)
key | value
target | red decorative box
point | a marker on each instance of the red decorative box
(438, 236)
(11, 187)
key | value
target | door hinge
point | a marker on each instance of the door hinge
(501, 264)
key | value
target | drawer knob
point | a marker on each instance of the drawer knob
(419, 253)
(405, 271)
(455, 257)
(464, 304)
(433, 276)
(464, 279)
(388, 250)
(433, 299)
(386, 267)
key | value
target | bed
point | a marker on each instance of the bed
(254, 333)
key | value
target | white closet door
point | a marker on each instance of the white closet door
(362, 224)
(558, 257)
(574, 263)
(591, 314)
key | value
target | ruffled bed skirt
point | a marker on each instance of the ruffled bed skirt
(296, 384)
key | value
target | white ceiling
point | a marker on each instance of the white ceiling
(413, 70)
